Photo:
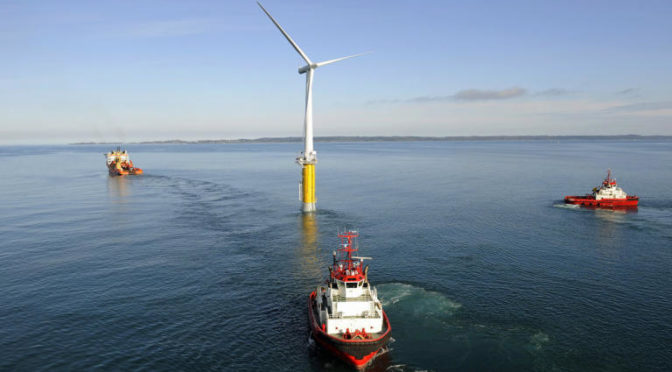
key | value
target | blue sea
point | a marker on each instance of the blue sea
(204, 263)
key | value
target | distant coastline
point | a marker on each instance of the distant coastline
(631, 137)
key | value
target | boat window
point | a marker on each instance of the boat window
(351, 285)
(365, 285)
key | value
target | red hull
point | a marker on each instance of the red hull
(589, 201)
(367, 349)
(125, 172)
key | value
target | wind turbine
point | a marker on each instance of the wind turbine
(308, 158)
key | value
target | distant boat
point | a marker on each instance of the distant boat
(119, 164)
(607, 195)
(345, 315)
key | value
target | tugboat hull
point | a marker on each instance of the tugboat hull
(590, 201)
(357, 353)
(124, 172)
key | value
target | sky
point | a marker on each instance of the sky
(124, 71)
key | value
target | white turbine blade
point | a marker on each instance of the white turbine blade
(339, 59)
(303, 55)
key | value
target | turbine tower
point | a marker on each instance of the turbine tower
(308, 158)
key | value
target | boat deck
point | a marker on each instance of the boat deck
(363, 298)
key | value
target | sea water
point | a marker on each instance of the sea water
(205, 262)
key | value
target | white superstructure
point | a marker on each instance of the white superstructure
(349, 306)
(612, 192)
(117, 155)
(609, 189)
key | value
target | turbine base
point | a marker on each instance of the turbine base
(308, 207)
(308, 188)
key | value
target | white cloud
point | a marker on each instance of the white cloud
(462, 95)
(480, 95)
(643, 106)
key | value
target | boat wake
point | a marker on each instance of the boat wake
(654, 216)
(538, 340)
(417, 300)
(311, 341)
(434, 324)
(567, 206)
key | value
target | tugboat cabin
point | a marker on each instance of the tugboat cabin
(348, 304)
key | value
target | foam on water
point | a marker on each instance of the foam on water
(416, 300)
(538, 340)
(567, 206)
(428, 322)
(404, 368)
(655, 215)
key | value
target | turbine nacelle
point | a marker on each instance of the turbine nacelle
(306, 68)
(312, 66)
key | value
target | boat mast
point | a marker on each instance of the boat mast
(343, 265)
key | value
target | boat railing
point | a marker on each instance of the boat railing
(363, 298)
(365, 314)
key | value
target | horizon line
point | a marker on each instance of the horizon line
(292, 139)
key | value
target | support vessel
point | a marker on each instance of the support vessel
(607, 195)
(345, 315)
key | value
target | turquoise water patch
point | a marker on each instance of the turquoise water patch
(427, 323)
(416, 301)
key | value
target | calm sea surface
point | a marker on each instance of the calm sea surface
(205, 262)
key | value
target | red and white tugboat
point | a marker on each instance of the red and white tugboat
(345, 315)
(608, 195)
